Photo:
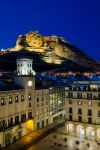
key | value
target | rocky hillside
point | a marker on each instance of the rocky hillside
(53, 50)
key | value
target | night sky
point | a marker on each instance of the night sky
(78, 21)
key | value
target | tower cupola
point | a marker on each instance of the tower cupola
(24, 66)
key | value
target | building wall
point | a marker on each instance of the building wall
(82, 108)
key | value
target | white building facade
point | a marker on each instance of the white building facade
(82, 106)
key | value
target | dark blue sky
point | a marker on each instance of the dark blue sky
(78, 21)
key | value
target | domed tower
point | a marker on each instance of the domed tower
(24, 66)
(25, 74)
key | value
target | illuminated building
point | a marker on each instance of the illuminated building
(25, 107)
(82, 106)
(24, 66)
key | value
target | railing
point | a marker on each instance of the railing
(84, 90)
(5, 127)
(94, 98)
(84, 122)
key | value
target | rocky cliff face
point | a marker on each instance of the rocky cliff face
(53, 50)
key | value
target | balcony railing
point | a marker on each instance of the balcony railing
(94, 98)
(84, 122)
(5, 127)
(84, 89)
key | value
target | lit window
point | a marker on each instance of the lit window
(46, 91)
(22, 98)
(89, 103)
(50, 102)
(10, 100)
(29, 97)
(79, 102)
(50, 113)
(16, 99)
(2, 101)
(37, 113)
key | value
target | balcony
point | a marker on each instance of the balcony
(11, 125)
(88, 89)
(84, 122)
(85, 98)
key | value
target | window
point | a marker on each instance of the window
(70, 101)
(70, 117)
(98, 103)
(22, 98)
(99, 113)
(23, 117)
(30, 115)
(42, 99)
(2, 101)
(80, 118)
(42, 123)
(16, 99)
(89, 103)
(70, 110)
(79, 95)
(10, 122)
(10, 100)
(79, 111)
(51, 102)
(46, 91)
(89, 112)
(70, 95)
(50, 113)
(3, 124)
(46, 121)
(79, 102)
(16, 119)
(29, 104)
(29, 97)
(89, 95)
(38, 125)
(89, 120)
(37, 99)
